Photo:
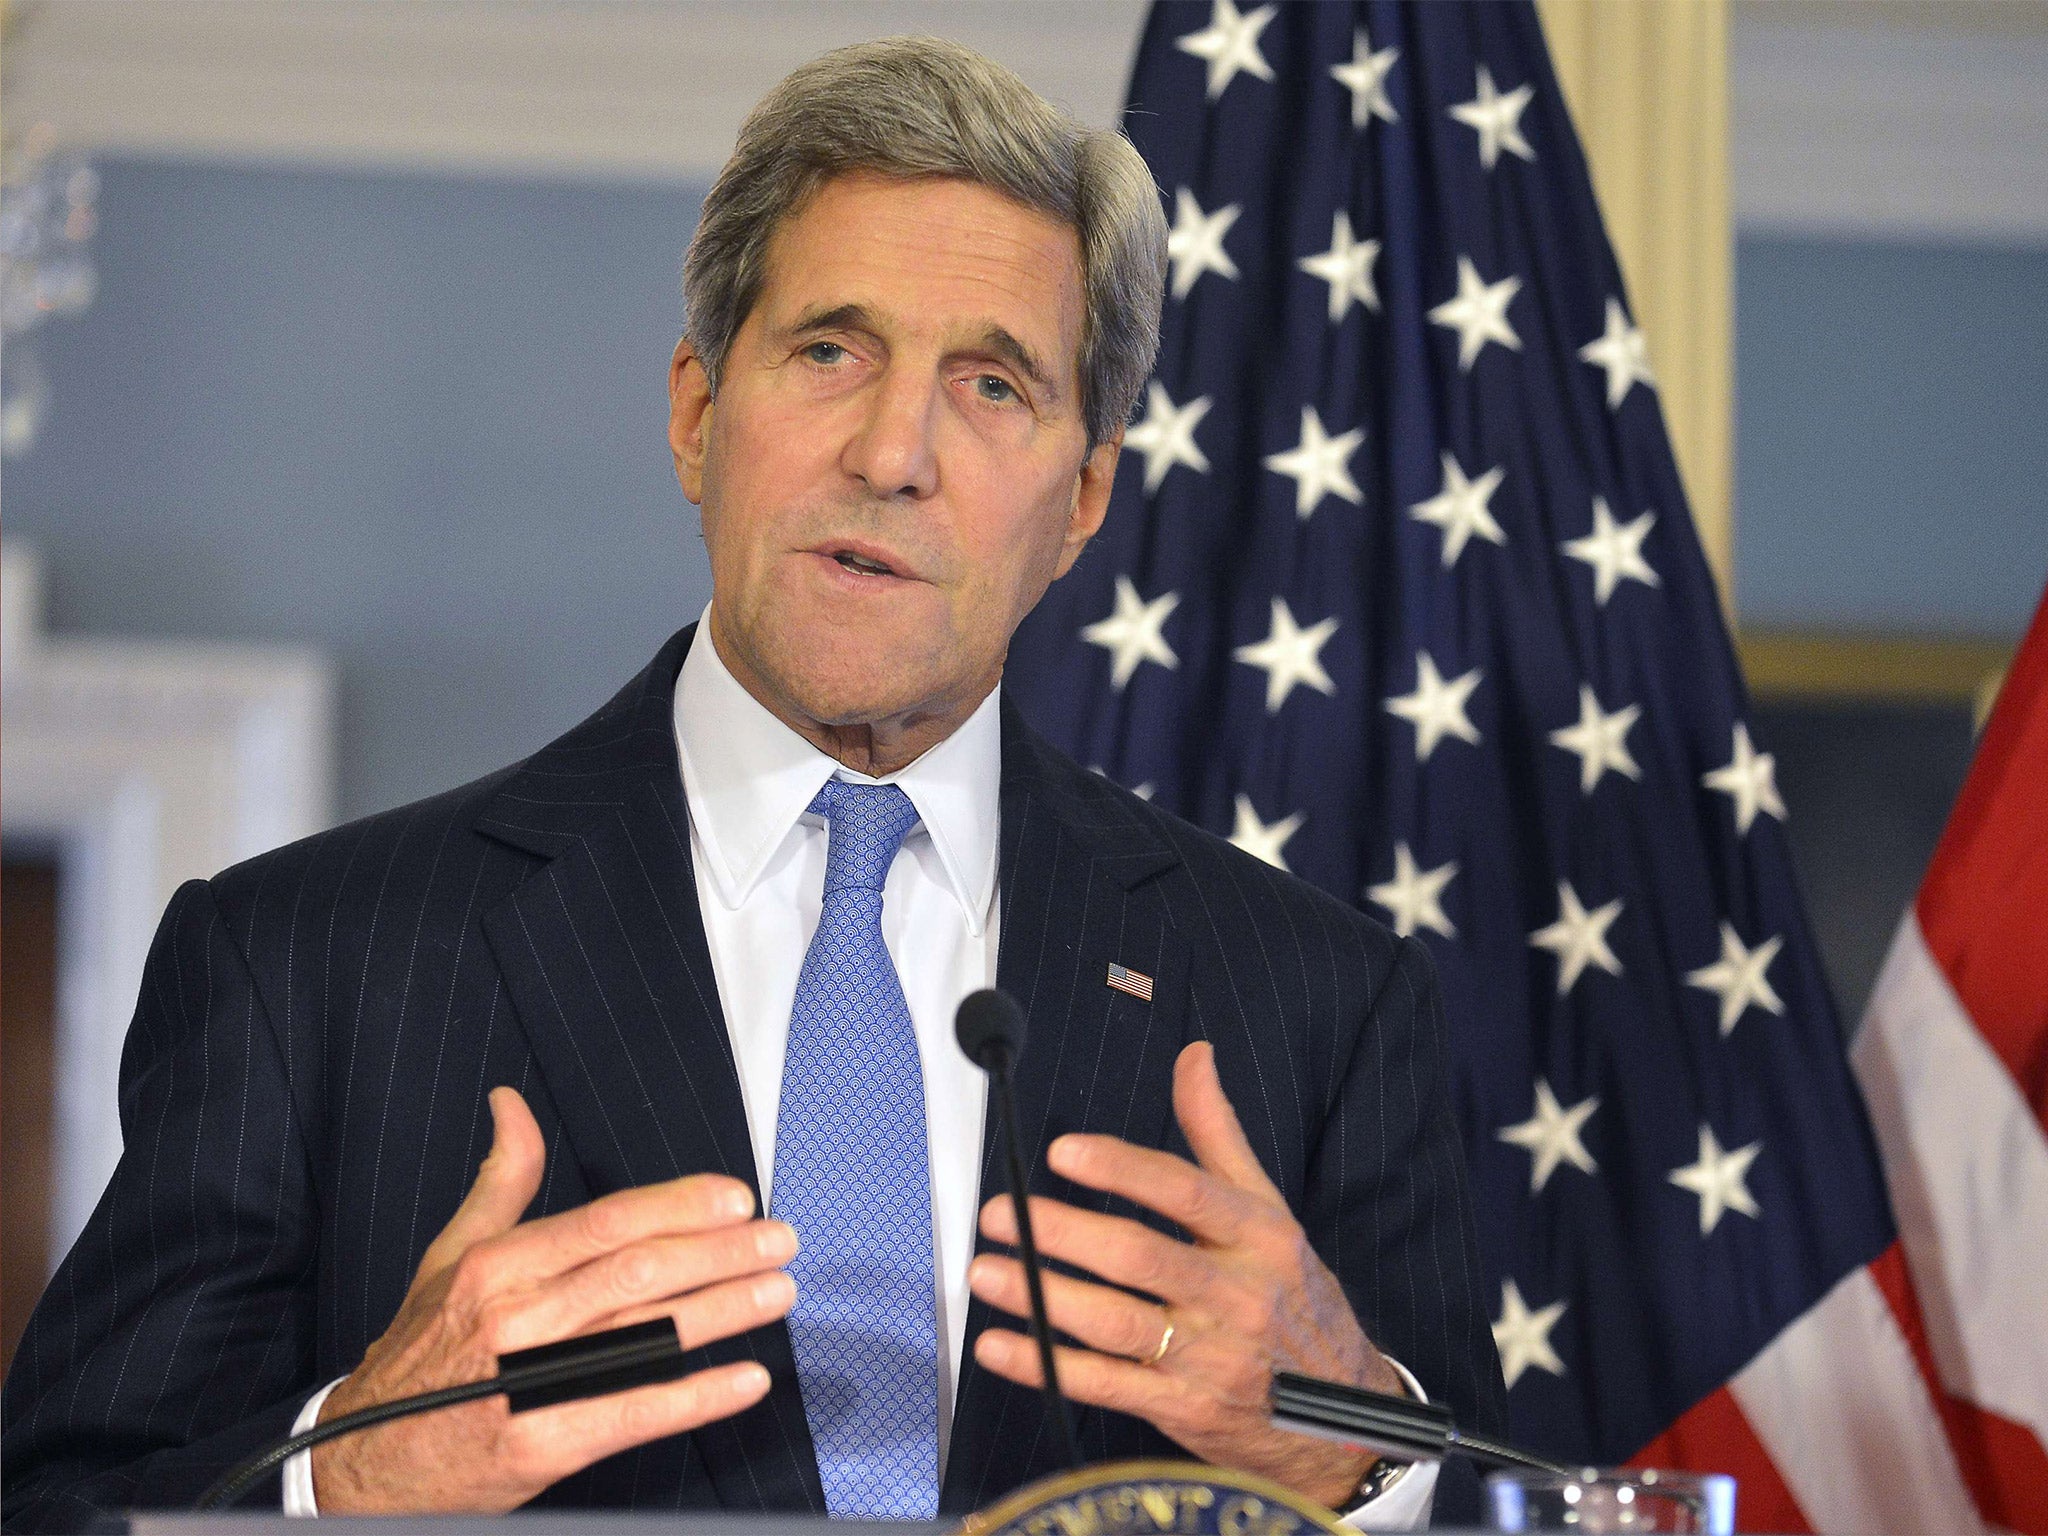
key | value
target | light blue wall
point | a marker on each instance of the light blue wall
(418, 420)
(1891, 436)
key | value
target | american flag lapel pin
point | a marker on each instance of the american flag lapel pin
(1136, 983)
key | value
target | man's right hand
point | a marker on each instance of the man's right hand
(489, 1283)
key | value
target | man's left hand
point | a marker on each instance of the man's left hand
(1247, 1297)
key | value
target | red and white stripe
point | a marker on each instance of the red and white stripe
(1914, 1396)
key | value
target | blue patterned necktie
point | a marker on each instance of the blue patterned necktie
(851, 1175)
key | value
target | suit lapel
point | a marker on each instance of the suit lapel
(1072, 870)
(604, 958)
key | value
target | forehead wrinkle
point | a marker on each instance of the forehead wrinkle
(857, 317)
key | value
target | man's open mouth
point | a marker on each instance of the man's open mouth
(862, 565)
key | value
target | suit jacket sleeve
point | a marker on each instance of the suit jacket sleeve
(1389, 1209)
(177, 1337)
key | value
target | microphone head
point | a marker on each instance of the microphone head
(989, 1021)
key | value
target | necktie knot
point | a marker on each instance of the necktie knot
(869, 823)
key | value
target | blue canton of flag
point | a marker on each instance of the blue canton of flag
(1398, 591)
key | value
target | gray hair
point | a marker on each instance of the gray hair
(919, 106)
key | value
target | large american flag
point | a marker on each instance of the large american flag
(1399, 591)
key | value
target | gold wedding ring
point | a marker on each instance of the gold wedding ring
(1165, 1339)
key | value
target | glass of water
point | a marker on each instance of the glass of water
(1632, 1500)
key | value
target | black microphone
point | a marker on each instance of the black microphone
(1399, 1428)
(990, 1028)
(637, 1355)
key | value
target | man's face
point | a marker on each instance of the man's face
(895, 467)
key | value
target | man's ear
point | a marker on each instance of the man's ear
(689, 418)
(1091, 500)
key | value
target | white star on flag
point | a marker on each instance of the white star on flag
(1478, 312)
(1258, 839)
(1738, 978)
(1132, 633)
(1166, 436)
(1415, 895)
(1750, 780)
(1347, 267)
(1231, 44)
(1319, 465)
(1600, 740)
(1461, 509)
(1290, 656)
(1621, 350)
(1498, 118)
(1578, 938)
(1195, 243)
(1614, 551)
(1365, 77)
(1523, 1337)
(1551, 1134)
(1436, 708)
(1142, 791)
(1719, 1179)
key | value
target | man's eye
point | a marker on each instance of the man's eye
(994, 389)
(825, 352)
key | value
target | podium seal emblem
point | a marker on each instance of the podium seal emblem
(1153, 1498)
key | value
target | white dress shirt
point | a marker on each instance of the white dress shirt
(760, 862)
(759, 857)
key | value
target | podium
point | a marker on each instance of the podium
(550, 1523)
(1121, 1498)
(540, 1522)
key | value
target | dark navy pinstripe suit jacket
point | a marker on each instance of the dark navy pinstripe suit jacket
(302, 1102)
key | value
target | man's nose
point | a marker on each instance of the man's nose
(893, 451)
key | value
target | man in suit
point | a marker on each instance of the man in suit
(700, 956)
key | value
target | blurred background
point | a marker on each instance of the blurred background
(337, 337)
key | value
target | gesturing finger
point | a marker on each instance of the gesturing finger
(504, 1186)
(1124, 1252)
(1208, 1206)
(719, 1311)
(552, 1245)
(570, 1436)
(1211, 1126)
(648, 1275)
(1100, 1316)
(1231, 1392)
(1086, 1377)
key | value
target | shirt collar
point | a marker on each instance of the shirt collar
(749, 778)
